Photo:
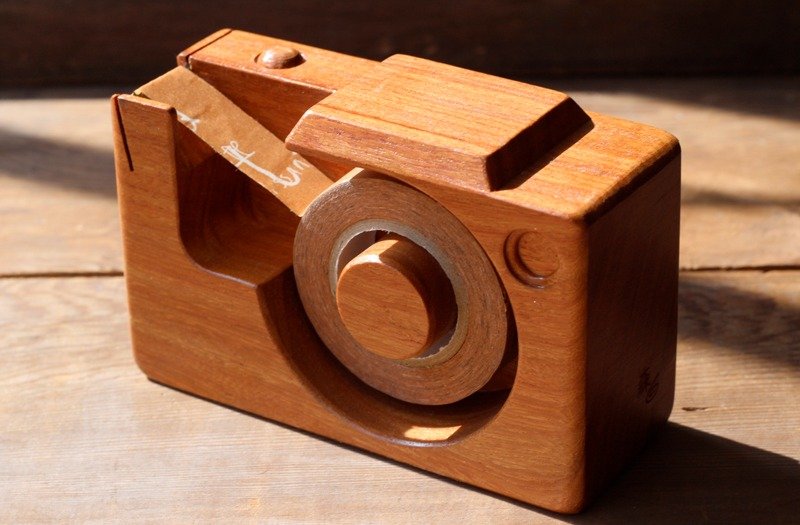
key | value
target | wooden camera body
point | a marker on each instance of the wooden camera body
(482, 285)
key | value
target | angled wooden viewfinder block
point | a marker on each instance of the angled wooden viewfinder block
(423, 119)
(487, 288)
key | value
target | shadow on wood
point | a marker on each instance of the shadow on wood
(749, 322)
(773, 96)
(684, 475)
(71, 166)
(689, 476)
(716, 198)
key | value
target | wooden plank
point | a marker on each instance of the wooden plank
(58, 210)
(87, 437)
(118, 43)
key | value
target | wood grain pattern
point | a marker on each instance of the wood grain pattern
(95, 440)
(481, 130)
(97, 42)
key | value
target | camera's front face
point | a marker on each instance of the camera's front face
(443, 145)
(507, 359)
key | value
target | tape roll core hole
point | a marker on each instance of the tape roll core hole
(438, 295)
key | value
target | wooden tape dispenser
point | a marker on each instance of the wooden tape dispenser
(460, 272)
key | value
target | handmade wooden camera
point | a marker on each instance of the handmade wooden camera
(464, 273)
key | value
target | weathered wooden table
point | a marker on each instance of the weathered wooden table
(85, 437)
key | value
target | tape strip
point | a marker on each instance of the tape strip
(238, 138)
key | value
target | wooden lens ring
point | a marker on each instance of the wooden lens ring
(372, 202)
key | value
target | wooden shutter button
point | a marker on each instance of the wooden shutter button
(396, 300)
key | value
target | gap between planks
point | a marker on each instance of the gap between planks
(118, 273)
(61, 275)
(743, 268)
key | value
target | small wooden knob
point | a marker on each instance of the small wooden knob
(280, 57)
(396, 300)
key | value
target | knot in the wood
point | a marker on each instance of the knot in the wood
(396, 300)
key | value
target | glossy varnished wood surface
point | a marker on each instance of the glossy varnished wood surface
(86, 436)
(577, 412)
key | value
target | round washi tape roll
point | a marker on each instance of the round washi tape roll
(331, 233)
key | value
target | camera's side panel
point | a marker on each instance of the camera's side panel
(632, 318)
